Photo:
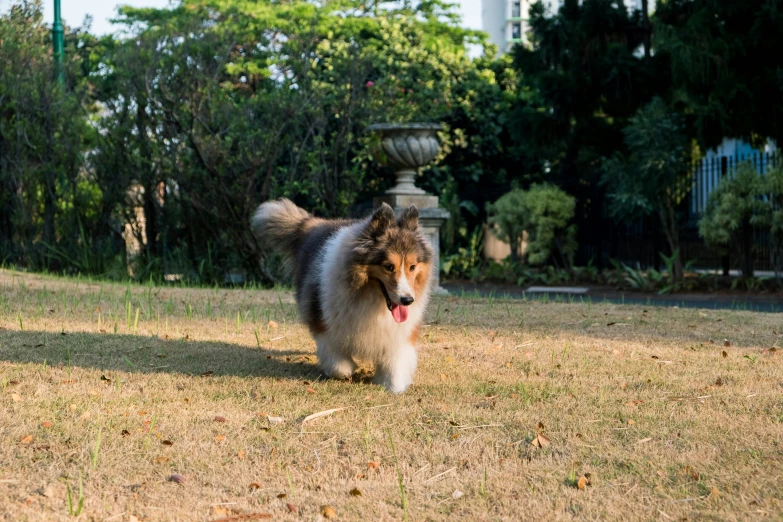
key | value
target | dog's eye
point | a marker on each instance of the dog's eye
(413, 267)
(388, 268)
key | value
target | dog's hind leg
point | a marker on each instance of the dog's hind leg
(395, 372)
(333, 363)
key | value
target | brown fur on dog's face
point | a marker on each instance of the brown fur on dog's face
(394, 252)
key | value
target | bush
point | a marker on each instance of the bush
(732, 209)
(544, 212)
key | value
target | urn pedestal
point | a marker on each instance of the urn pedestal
(406, 148)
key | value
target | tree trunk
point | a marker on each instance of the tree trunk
(747, 249)
(672, 230)
(147, 180)
(647, 38)
(725, 261)
(514, 244)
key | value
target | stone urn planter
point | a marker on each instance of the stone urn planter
(406, 147)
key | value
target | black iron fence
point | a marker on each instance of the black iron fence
(641, 242)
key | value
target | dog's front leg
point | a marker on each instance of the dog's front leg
(333, 363)
(395, 372)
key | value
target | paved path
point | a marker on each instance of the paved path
(756, 303)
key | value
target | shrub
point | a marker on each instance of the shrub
(732, 209)
(544, 212)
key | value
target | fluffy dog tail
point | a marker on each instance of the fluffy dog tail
(281, 226)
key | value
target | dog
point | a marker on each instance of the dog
(362, 286)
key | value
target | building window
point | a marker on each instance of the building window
(516, 31)
(515, 9)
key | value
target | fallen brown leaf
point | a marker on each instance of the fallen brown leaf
(726, 342)
(46, 424)
(220, 438)
(374, 464)
(692, 473)
(167, 443)
(26, 440)
(583, 481)
(162, 460)
(273, 325)
(724, 353)
(254, 485)
(291, 508)
(328, 511)
(220, 419)
(355, 492)
(541, 441)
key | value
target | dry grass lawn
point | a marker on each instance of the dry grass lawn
(519, 411)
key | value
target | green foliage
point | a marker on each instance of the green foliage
(467, 261)
(545, 213)
(770, 215)
(727, 222)
(651, 280)
(655, 176)
(509, 219)
(52, 214)
(580, 81)
(724, 65)
(551, 233)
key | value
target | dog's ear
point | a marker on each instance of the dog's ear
(410, 218)
(381, 219)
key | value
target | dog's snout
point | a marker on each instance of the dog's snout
(406, 301)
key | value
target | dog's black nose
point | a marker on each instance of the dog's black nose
(406, 301)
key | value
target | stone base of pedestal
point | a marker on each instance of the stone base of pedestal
(431, 218)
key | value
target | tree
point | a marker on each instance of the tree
(725, 65)
(655, 177)
(48, 207)
(580, 82)
(732, 208)
(216, 107)
(583, 77)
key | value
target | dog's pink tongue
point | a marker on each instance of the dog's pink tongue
(400, 313)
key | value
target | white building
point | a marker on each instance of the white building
(506, 21)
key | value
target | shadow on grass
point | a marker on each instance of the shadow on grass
(140, 354)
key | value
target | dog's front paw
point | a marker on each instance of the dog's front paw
(340, 370)
(396, 374)
(398, 387)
